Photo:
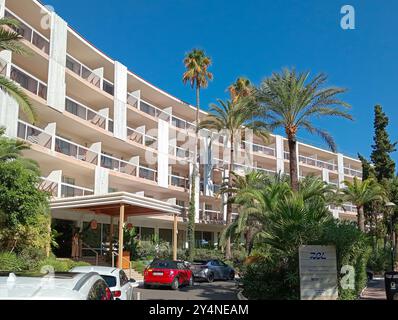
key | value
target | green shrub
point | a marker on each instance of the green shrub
(140, 266)
(60, 265)
(380, 260)
(10, 262)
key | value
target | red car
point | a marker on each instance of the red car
(168, 273)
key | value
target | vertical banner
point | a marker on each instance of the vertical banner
(318, 273)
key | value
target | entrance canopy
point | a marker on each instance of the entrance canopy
(109, 204)
(122, 205)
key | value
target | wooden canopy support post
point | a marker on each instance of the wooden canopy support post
(111, 241)
(121, 222)
(175, 237)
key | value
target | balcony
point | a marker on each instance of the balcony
(51, 187)
(178, 181)
(75, 151)
(141, 138)
(318, 163)
(259, 148)
(249, 168)
(182, 124)
(118, 165)
(29, 33)
(211, 217)
(179, 152)
(34, 135)
(353, 172)
(147, 173)
(89, 75)
(29, 82)
(347, 207)
(147, 108)
(71, 191)
(86, 113)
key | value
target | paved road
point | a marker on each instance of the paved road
(375, 290)
(218, 290)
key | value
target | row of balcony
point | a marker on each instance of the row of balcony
(64, 190)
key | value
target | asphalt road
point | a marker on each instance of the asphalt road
(218, 290)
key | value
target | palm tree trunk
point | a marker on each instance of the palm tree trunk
(293, 163)
(361, 218)
(229, 203)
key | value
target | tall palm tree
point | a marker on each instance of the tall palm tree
(241, 88)
(290, 100)
(198, 76)
(10, 40)
(230, 117)
(361, 193)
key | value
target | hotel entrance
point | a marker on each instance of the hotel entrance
(64, 231)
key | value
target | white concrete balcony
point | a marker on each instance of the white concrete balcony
(29, 33)
(245, 168)
(178, 181)
(89, 75)
(147, 108)
(179, 152)
(211, 217)
(34, 135)
(75, 150)
(182, 124)
(28, 82)
(258, 148)
(353, 172)
(80, 110)
(71, 191)
(313, 162)
(142, 138)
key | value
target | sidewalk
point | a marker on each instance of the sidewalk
(375, 290)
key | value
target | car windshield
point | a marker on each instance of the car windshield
(164, 264)
(110, 281)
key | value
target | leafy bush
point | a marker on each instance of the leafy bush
(60, 265)
(380, 260)
(10, 262)
(139, 266)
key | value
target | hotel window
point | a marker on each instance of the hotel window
(166, 235)
(147, 234)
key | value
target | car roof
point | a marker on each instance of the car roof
(107, 271)
(36, 286)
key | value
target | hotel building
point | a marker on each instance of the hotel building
(98, 122)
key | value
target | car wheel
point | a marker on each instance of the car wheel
(146, 286)
(175, 284)
(232, 275)
(210, 278)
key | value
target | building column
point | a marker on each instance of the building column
(197, 191)
(340, 166)
(208, 166)
(225, 175)
(121, 240)
(111, 240)
(163, 153)
(175, 237)
(56, 86)
(120, 102)
(325, 175)
(101, 183)
(280, 155)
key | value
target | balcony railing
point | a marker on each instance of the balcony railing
(142, 138)
(70, 191)
(76, 151)
(118, 165)
(3, 67)
(147, 108)
(179, 152)
(147, 173)
(178, 181)
(85, 113)
(34, 135)
(48, 186)
(318, 163)
(110, 125)
(182, 124)
(28, 82)
(29, 33)
(353, 172)
(260, 148)
(249, 168)
(89, 75)
(211, 216)
(347, 207)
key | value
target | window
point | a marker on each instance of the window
(166, 235)
(110, 280)
(123, 278)
(98, 291)
(147, 233)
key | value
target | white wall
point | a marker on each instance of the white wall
(120, 107)
(163, 153)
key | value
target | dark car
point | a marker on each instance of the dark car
(211, 270)
(167, 273)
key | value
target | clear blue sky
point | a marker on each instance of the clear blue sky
(254, 38)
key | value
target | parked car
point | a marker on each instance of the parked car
(116, 279)
(167, 273)
(59, 286)
(211, 270)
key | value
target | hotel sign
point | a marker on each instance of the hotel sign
(318, 273)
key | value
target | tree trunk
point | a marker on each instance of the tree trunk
(293, 163)
(229, 204)
(361, 219)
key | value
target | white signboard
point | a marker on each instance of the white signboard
(318, 273)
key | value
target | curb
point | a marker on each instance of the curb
(241, 296)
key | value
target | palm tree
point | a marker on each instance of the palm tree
(290, 100)
(231, 117)
(240, 89)
(10, 40)
(196, 64)
(361, 193)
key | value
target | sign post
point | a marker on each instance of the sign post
(318, 273)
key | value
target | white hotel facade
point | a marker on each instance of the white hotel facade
(97, 124)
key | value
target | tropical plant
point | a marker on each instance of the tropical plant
(361, 193)
(10, 40)
(290, 100)
(229, 118)
(241, 88)
(197, 74)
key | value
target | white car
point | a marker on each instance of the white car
(116, 279)
(57, 286)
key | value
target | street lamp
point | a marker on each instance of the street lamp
(391, 206)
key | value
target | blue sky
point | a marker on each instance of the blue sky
(255, 38)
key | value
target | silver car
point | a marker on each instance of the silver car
(211, 270)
